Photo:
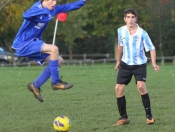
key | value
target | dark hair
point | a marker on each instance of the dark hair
(132, 11)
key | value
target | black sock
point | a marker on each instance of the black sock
(121, 103)
(146, 104)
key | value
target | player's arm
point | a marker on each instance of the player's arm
(34, 12)
(153, 59)
(119, 49)
(150, 47)
(153, 56)
(119, 53)
(69, 6)
(119, 56)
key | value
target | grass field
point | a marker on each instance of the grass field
(90, 104)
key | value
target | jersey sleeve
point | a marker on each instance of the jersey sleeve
(69, 6)
(120, 43)
(35, 12)
(148, 45)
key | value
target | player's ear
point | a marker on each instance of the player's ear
(136, 19)
(124, 18)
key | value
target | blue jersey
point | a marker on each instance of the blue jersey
(134, 46)
(36, 20)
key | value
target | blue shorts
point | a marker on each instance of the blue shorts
(33, 51)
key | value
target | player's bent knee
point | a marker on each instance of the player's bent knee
(142, 90)
(60, 61)
(54, 49)
(119, 89)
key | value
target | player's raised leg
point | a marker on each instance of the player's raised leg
(35, 91)
(43, 77)
(54, 67)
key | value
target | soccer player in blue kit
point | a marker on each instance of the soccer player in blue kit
(133, 41)
(28, 42)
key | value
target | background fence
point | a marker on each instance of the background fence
(91, 59)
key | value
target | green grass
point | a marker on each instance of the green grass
(90, 104)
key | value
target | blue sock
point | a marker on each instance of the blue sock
(54, 69)
(44, 76)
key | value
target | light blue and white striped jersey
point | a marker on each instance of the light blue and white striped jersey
(134, 46)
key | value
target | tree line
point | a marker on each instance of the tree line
(93, 28)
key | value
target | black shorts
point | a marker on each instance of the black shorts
(126, 72)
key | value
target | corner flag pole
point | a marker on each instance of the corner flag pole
(60, 17)
(54, 36)
(4, 5)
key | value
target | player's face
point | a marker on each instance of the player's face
(50, 4)
(130, 19)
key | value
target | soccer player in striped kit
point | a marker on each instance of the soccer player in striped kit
(131, 60)
(28, 42)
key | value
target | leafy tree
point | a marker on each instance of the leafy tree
(11, 19)
(106, 16)
(73, 28)
(162, 25)
(92, 29)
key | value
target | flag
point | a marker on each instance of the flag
(62, 17)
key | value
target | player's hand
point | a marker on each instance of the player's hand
(116, 66)
(156, 67)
